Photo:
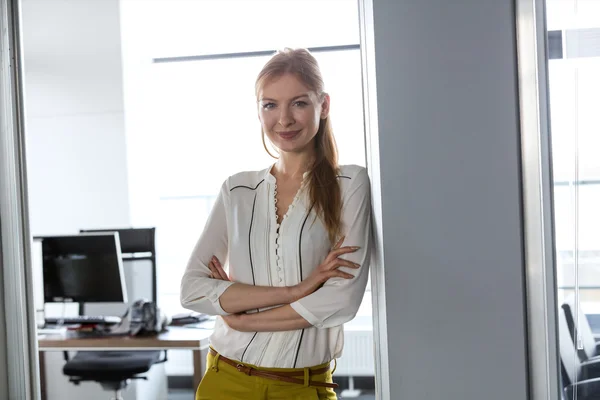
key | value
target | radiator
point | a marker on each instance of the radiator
(357, 357)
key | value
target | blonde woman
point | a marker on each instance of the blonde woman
(296, 239)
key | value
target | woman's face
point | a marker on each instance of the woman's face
(290, 112)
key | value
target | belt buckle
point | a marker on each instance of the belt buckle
(244, 369)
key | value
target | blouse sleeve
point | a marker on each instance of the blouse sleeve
(199, 292)
(337, 302)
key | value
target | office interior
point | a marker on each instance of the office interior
(123, 134)
(457, 280)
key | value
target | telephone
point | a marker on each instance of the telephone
(146, 318)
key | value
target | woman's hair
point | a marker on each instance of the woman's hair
(324, 189)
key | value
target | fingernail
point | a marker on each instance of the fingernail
(355, 247)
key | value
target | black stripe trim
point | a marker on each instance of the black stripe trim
(298, 349)
(301, 278)
(250, 240)
(247, 187)
(300, 242)
(244, 353)
(344, 176)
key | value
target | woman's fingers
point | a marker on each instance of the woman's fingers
(340, 274)
(343, 250)
(346, 249)
(339, 243)
(213, 269)
(219, 268)
(336, 252)
(340, 262)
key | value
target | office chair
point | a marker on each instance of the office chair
(576, 376)
(113, 370)
(591, 348)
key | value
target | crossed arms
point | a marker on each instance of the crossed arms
(329, 296)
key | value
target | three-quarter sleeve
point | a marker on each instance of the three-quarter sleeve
(199, 292)
(337, 302)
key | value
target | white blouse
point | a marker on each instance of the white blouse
(242, 232)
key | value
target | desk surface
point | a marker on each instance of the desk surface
(174, 338)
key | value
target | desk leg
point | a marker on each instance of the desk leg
(198, 371)
(42, 367)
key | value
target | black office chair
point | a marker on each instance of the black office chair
(591, 348)
(113, 370)
(582, 377)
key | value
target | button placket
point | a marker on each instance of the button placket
(279, 270)
(278, 260)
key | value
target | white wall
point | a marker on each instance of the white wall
(75, 129)
(448, 128)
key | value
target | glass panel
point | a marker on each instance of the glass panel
(574, 103)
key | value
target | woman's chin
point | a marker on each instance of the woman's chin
(292, 148)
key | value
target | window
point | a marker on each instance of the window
(574, 85)
(196, 123)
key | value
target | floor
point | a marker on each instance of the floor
(183, 394)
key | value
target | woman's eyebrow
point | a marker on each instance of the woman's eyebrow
(294, 98)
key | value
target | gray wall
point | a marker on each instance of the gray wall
(449, 158)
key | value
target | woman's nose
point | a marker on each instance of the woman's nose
(286, 119)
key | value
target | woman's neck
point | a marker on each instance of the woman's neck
(293, 165)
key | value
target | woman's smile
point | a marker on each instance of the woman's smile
(289, 135)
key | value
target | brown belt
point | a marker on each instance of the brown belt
(277, 376)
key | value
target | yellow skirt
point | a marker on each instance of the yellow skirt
(222, 381)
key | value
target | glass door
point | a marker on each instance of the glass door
(574, 94)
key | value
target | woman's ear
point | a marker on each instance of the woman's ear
(325, 106)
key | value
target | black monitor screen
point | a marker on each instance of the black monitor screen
(83, 268)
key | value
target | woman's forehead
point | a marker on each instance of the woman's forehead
(284, 87)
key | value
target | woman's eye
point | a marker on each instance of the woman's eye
(301, 103)
(268, 106)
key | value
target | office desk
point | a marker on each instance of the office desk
(178, 338)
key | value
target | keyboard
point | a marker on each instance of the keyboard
(84, 320)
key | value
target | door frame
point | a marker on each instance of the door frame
(20, 345)
(538, 213)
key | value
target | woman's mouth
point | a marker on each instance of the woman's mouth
(288, 134)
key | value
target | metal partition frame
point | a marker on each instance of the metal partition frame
(21, 341)
(378, 291)
(537, 200)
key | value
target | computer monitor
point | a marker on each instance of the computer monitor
(84, 268)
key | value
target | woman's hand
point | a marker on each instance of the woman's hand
(328, 269)
(216, 270)
(234, 321)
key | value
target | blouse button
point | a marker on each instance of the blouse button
(280, 280)
(278, 268)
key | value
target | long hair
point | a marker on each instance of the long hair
(324, 189)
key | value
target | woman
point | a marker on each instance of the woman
(296, 238)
